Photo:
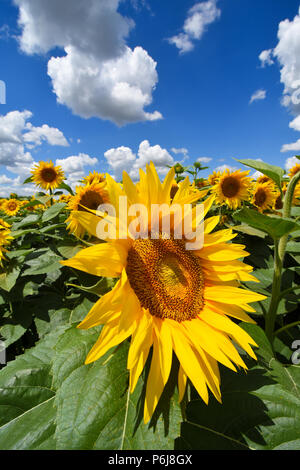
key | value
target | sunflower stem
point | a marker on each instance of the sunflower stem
(279, 253)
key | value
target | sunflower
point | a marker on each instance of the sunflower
(2, 201)
(213, 178)
(94, 177)
(86, 197)
(264, 196)
(232, 188)
(64, 198)
(11, 206)
(5, 239)
(169, 298)
(294, 170)
(265, 179)
(4, 225)
(47, 176)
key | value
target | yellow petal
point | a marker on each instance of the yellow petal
(104, 259)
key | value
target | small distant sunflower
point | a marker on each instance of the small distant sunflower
(90, 197)
(64, 198)
(94, 177)
(167, 298)
(47, 176)
(294, 170)
(11, 206)
(232, 188)
(4, 225)
(5, 239)
(213, 178)
(265, 179)
(264, 196)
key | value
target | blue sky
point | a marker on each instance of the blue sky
(111, 107)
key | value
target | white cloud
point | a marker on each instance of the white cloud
(294, 147)
(225, 167)
(17, 136)
(99, 76)
(182, 150)
(287, 53)
(36, 135)
(12, 125)
(295, 124)
(266, 57)
(204, 159)
(258, 95)
(74, 166)
(198, 18)
(290, 162)
(123, 158)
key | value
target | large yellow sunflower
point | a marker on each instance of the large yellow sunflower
(86, 197)
(167, 297)
(47, 176)
(11, 206)
(264, 196)
(232, 188)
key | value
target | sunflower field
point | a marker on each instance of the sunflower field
(138, 343)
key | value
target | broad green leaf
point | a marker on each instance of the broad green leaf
(29, 220)
(11, 333)
(8, 280)
(53, 211)
(68, 250)
(244, 228)
(66, 187)
(31, 430)
(43, 264)
(103, 286)
(28, 180)
(274, 172)
(81, 310)
(276, 227)
(96, 411)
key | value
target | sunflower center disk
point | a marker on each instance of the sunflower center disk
(49, 175)
(91, 199)
(166, 278)
(260, 197)
(230, 187)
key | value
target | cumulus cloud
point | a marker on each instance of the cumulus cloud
(17, 135)
(99, 75)
(258, 95)
(265, 57)
(226, 167)
(290, 162)
(287, 54)
(204, 159)
(123, 158)
(36, 135)
(294, 147)
(75, 166)
(198, 18)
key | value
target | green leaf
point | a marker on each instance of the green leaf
(53, 211)
(31, 430)
(11, 333)
(274, 172)
(94, 407)
(29, 220)
(9, 279)
(276, 227)
(244, 228)
(43, 264)
(66, 187)
(28, 180)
